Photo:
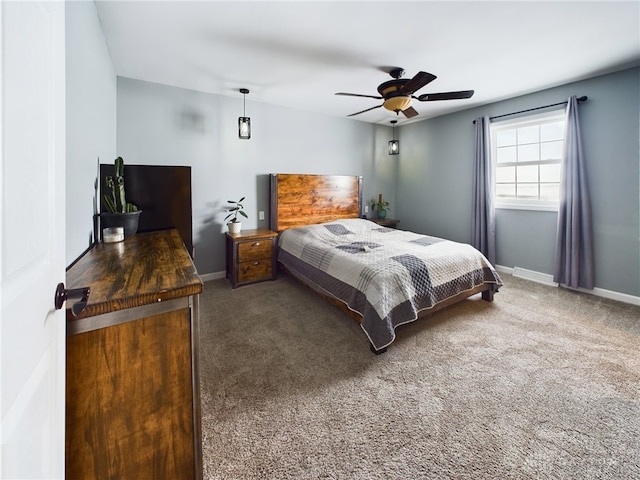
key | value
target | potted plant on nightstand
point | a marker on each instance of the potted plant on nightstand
(380, 206)
(120, 212)
(234, 224)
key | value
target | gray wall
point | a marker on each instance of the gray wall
(435, 168)
(428, 184)
(91, 119)
(163, 125)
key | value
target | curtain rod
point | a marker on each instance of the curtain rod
(581, 99)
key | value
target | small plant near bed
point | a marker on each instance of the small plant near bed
(235, 225)
(380, 206)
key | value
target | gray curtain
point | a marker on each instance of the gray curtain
(483, 220)
(574, 243)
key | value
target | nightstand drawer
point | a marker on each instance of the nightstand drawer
(256, 250)
(255, 270)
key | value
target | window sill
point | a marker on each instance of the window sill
(528, 206)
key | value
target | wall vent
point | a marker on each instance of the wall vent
(534, 276)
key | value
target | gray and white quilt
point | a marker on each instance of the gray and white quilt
(386, 275)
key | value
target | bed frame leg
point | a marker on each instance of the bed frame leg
(487, 295)
(377, 352)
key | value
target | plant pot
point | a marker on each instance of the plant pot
(382, 213)
(234, 227)
(129, 221)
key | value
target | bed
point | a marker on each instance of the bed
(380, 276)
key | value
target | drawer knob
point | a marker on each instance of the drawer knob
(256, 263)
(256, 244)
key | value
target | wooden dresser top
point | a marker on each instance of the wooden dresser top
(144, 269)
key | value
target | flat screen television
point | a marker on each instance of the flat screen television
(163, 193)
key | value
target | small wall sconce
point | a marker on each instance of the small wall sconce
(394, 145)
(244, 122)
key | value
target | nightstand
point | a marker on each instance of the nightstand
(386, 222)
(251, 256)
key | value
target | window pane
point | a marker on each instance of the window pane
(528, 174)
(550, 173)
(550, 192)
(552, 131)
(505, 174)
(527, 157)
(505, 137)
(551, 150)
(506, 154)
(506, 190)
(528, 191)
(529, 153)
(528, 134)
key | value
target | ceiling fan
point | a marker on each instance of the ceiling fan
(398, 93)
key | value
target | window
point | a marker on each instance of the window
(527, 155)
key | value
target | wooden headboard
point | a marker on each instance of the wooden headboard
(300, 199)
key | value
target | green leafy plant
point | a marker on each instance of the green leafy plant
(236, 210)
(380, 204)
(116, 201)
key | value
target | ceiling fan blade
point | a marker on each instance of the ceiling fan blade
(417, 82)
(358, 95)
(410, 112)
(432, 97)
(358, 113)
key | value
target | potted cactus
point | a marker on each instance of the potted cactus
(120, 212)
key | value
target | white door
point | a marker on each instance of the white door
(32, 202)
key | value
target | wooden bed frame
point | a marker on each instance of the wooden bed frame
(301, 199)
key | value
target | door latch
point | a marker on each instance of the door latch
(62, 295)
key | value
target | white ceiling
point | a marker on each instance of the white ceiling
(299, 54)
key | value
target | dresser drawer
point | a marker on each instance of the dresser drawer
(255, 270)
(255, 250)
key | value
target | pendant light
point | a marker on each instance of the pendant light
(394, 145)
(244, 122)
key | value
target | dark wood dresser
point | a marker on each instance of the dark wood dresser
(132, 381)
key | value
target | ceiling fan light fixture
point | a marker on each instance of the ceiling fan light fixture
(397, 104)
(398, 93)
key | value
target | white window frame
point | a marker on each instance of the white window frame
(523, 121)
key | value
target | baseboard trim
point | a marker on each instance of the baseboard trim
(547, 279)
(621, 297)
(213, 276)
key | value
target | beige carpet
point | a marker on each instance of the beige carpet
(543, 383)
